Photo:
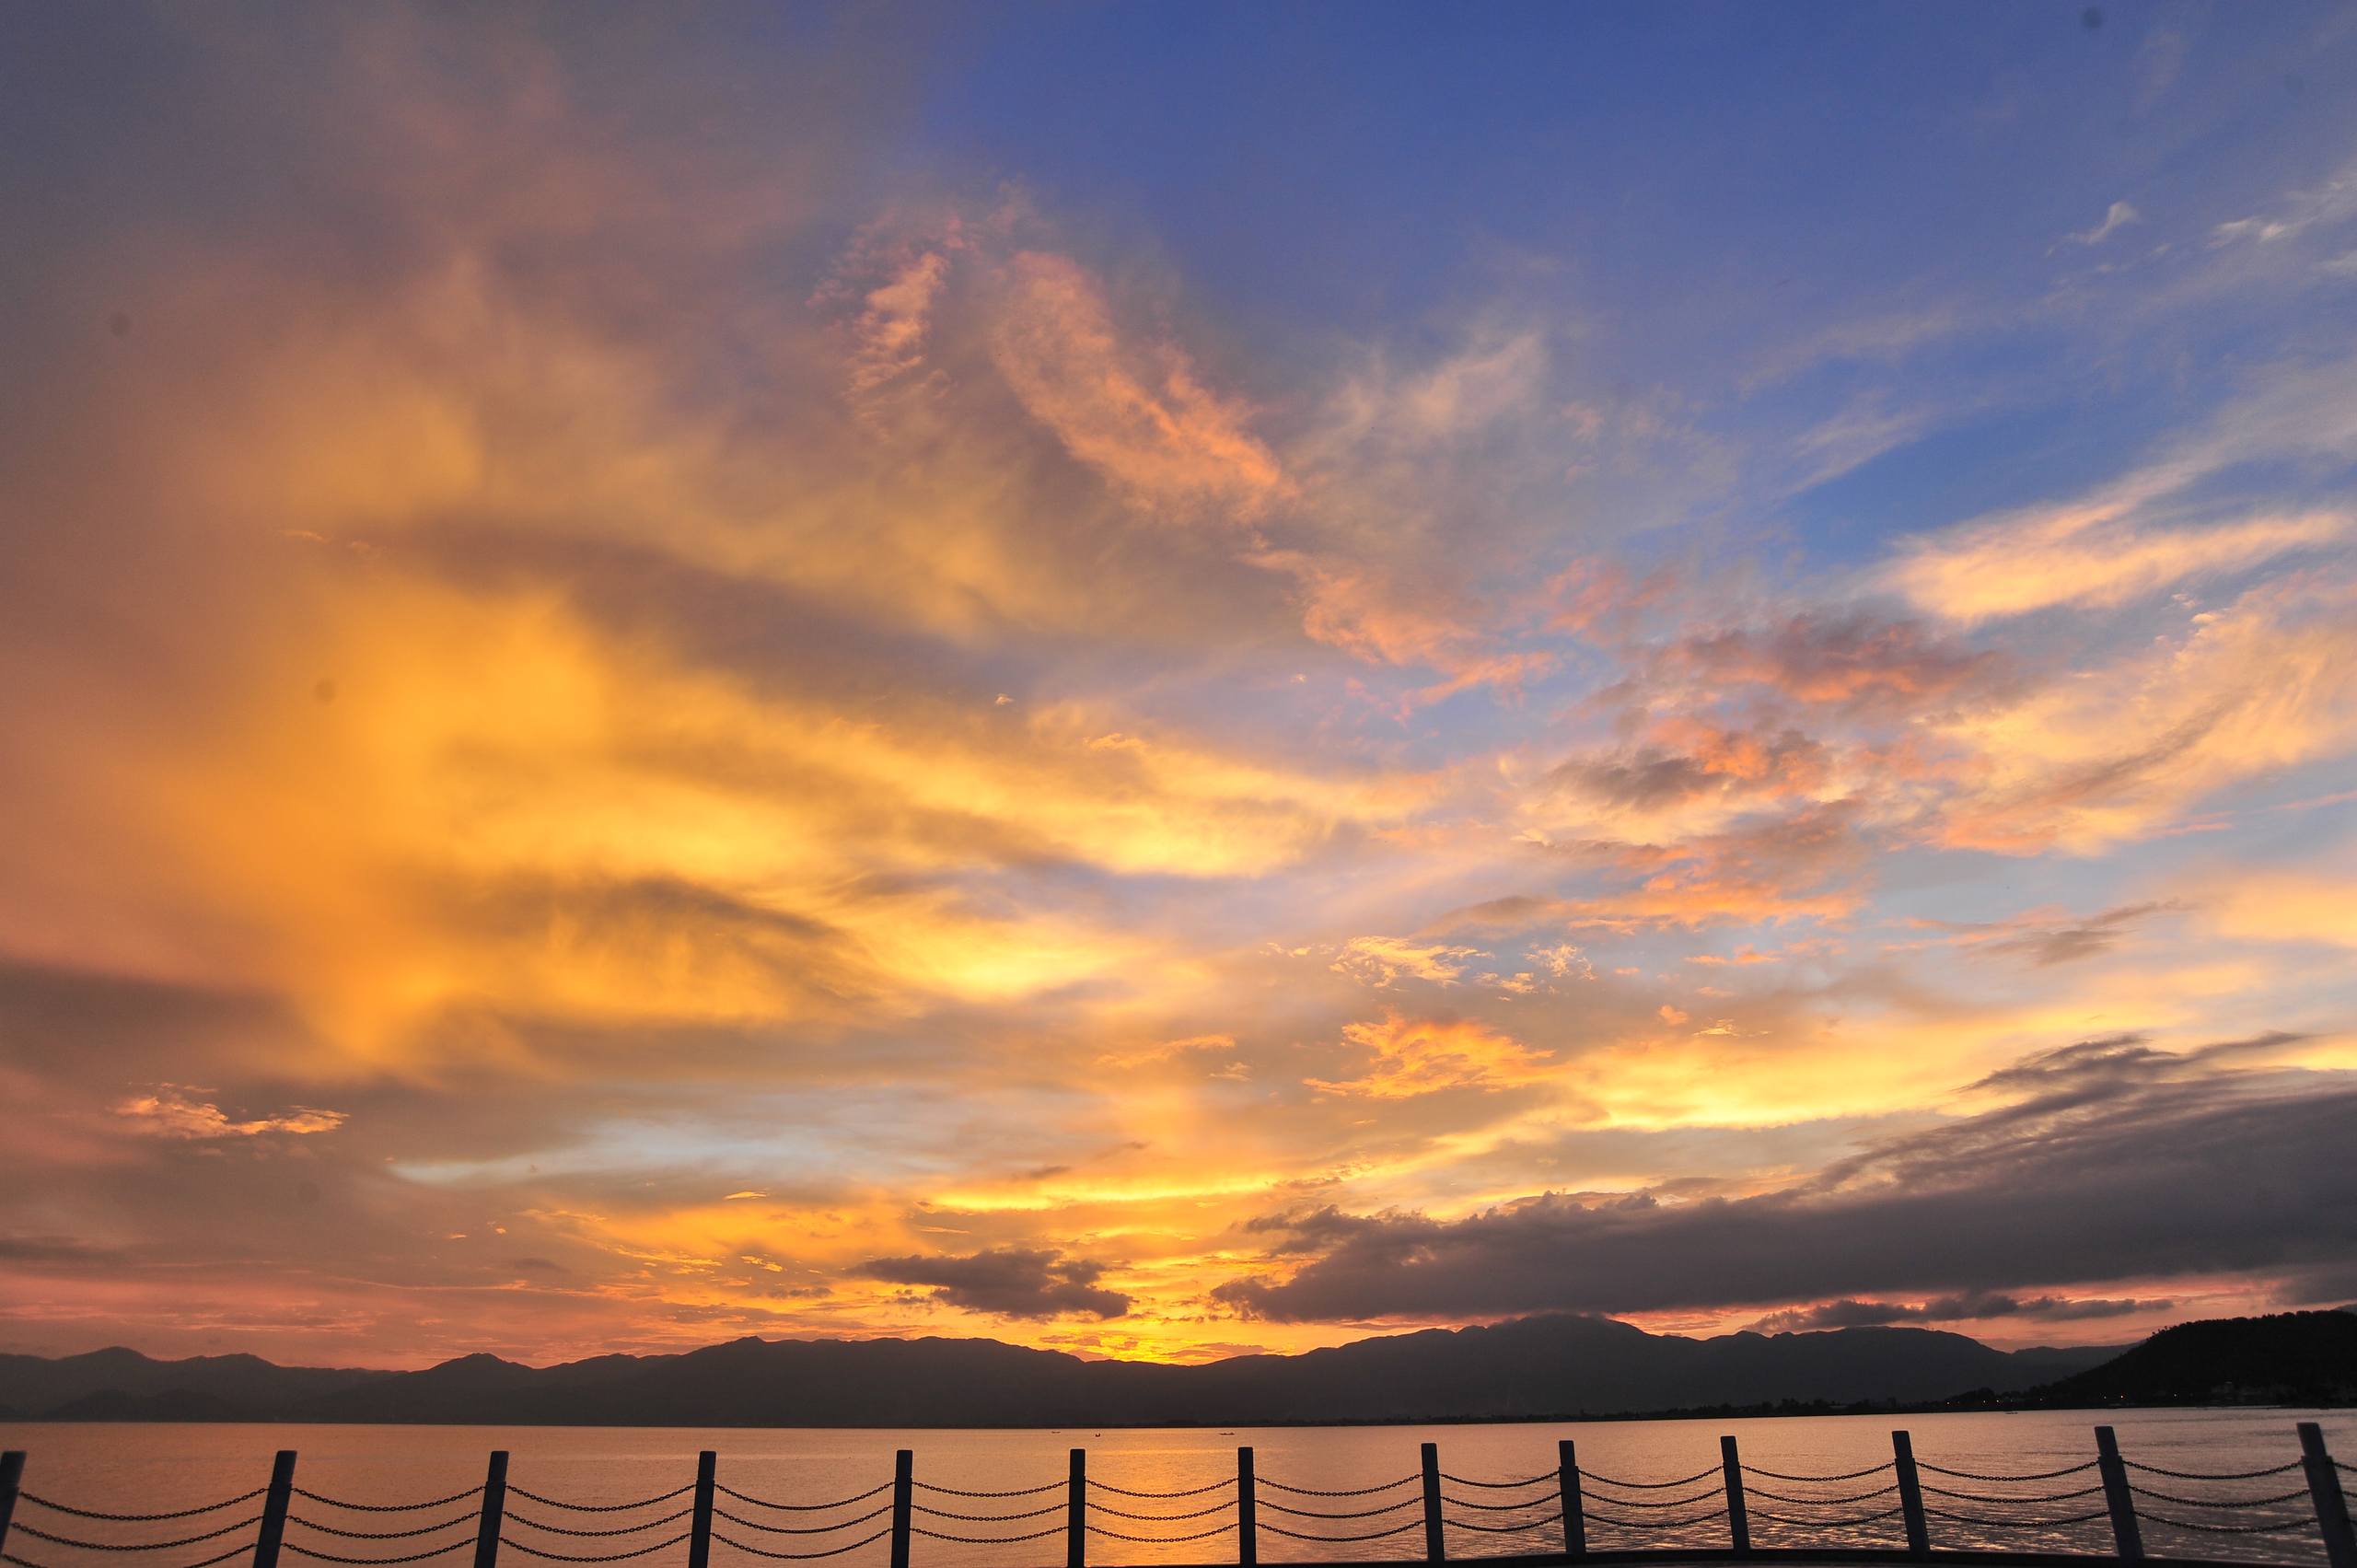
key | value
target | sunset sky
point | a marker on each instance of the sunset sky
(1163, 679)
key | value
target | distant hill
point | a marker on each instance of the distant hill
(41, 1384)
(2288, 1358)
(1549, 1366)
(172, 1404)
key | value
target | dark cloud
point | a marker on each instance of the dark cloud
(2114, 1161)
(1514, 912)
(2058, 1309)
(110, 1030)
(2067, 944)
(1769, 864)
(49, 1249)
(2111, 1065)
(2043, 944)
(1727, 761)
(1649, 778)
(1846, 660)
(1850, 1313)
(2332, 1285)
(1008, 1281)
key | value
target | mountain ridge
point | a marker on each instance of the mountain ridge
(2293, 1358)
(1549, 1365)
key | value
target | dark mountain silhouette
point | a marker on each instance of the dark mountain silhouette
(172, 1404)
(1531, 1367)
(2288, 1358)
(2051, 1362)
(39, 1383)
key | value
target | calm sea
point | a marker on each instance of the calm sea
(154, 1468)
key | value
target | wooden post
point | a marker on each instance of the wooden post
(12, 1476)
(700, 1523)
(495, 1509)
(1077, 1512)
(903, 1494)
(2324, 1487)
(1738, 1520)
(1567, 1480)
(1436, 1539)
(1247, 1513)
(2125, 1535)
(273, 1509)
(1911, 1496)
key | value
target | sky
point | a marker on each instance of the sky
(1164, 680)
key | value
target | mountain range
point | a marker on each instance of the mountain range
(1527, 1368)
(1549, 1365)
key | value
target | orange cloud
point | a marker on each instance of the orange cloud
(1417, 1056)
(2085, 557)
(1386, 960)
(2122, 540)
(1822, 658)
(2267, 684)
(1139, 416)
(2301, 906)
(175, 1112)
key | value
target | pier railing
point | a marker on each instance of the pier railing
(1904, 1509)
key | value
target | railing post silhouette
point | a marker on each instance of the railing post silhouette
(273, 1509)
(1077, 1512)
(903, 1494)
(700, 1523)
(1911, 1495)
(1247, 1513)
(1436, 1539)
(12, 1477)
(495, 1509)
(2125, 1535)
(1567, 1480)
(1738, 1519)
(2323, 1489)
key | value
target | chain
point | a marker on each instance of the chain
(382, 1507)
(802, 1507)
(39, 1534)
(1826, 1524)
(1189, 1491)
(1651, 1485)
(1163, 1541)
(803, 1556)
(808, 1530)
(610, 1556)
(601, 1507)
(624, 1530)
(139, 1518)
(1372, 1535)
(301, 1550)
(382, 1535)
(1343, 1491)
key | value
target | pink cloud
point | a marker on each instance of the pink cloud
(1138, 413)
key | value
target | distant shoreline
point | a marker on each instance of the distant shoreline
(1761, 1413)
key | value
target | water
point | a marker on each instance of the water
(148, 1468)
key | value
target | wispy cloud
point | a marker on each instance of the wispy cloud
(2128, 538)
(172, 1112)
(2119, 215)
